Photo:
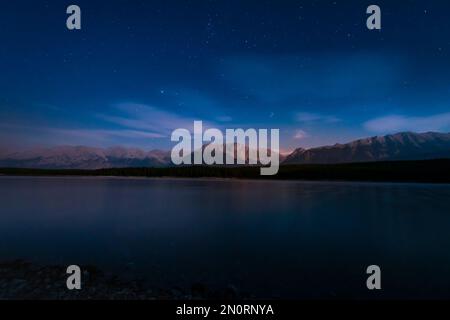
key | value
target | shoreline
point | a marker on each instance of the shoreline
(23, 280)
(213, 179)
(415, 171)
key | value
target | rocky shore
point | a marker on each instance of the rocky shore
(21, 280)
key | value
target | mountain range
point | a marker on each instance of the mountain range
(400, 146)
(81, 157)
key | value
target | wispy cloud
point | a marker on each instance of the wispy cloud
(128, 124)
(106, 134)
(396, 123)
(315, 117)
(224, 119)
(286, 78)
(300, 134)
(144, 117)
(54, 135)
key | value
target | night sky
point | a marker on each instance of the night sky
(139, 69)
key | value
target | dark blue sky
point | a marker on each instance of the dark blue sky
(139, 69)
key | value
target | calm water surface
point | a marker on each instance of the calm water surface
(272, 239)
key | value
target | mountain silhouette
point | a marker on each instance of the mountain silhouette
(400, 146)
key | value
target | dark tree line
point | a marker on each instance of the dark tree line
(437, 171)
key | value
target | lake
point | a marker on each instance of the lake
(288, 239)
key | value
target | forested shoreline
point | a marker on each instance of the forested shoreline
(433, 171)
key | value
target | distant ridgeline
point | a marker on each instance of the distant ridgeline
(401, 146)
(399, 157)
(431, 171)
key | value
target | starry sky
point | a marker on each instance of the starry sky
(139, 69)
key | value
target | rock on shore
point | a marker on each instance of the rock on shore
(20, 280)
